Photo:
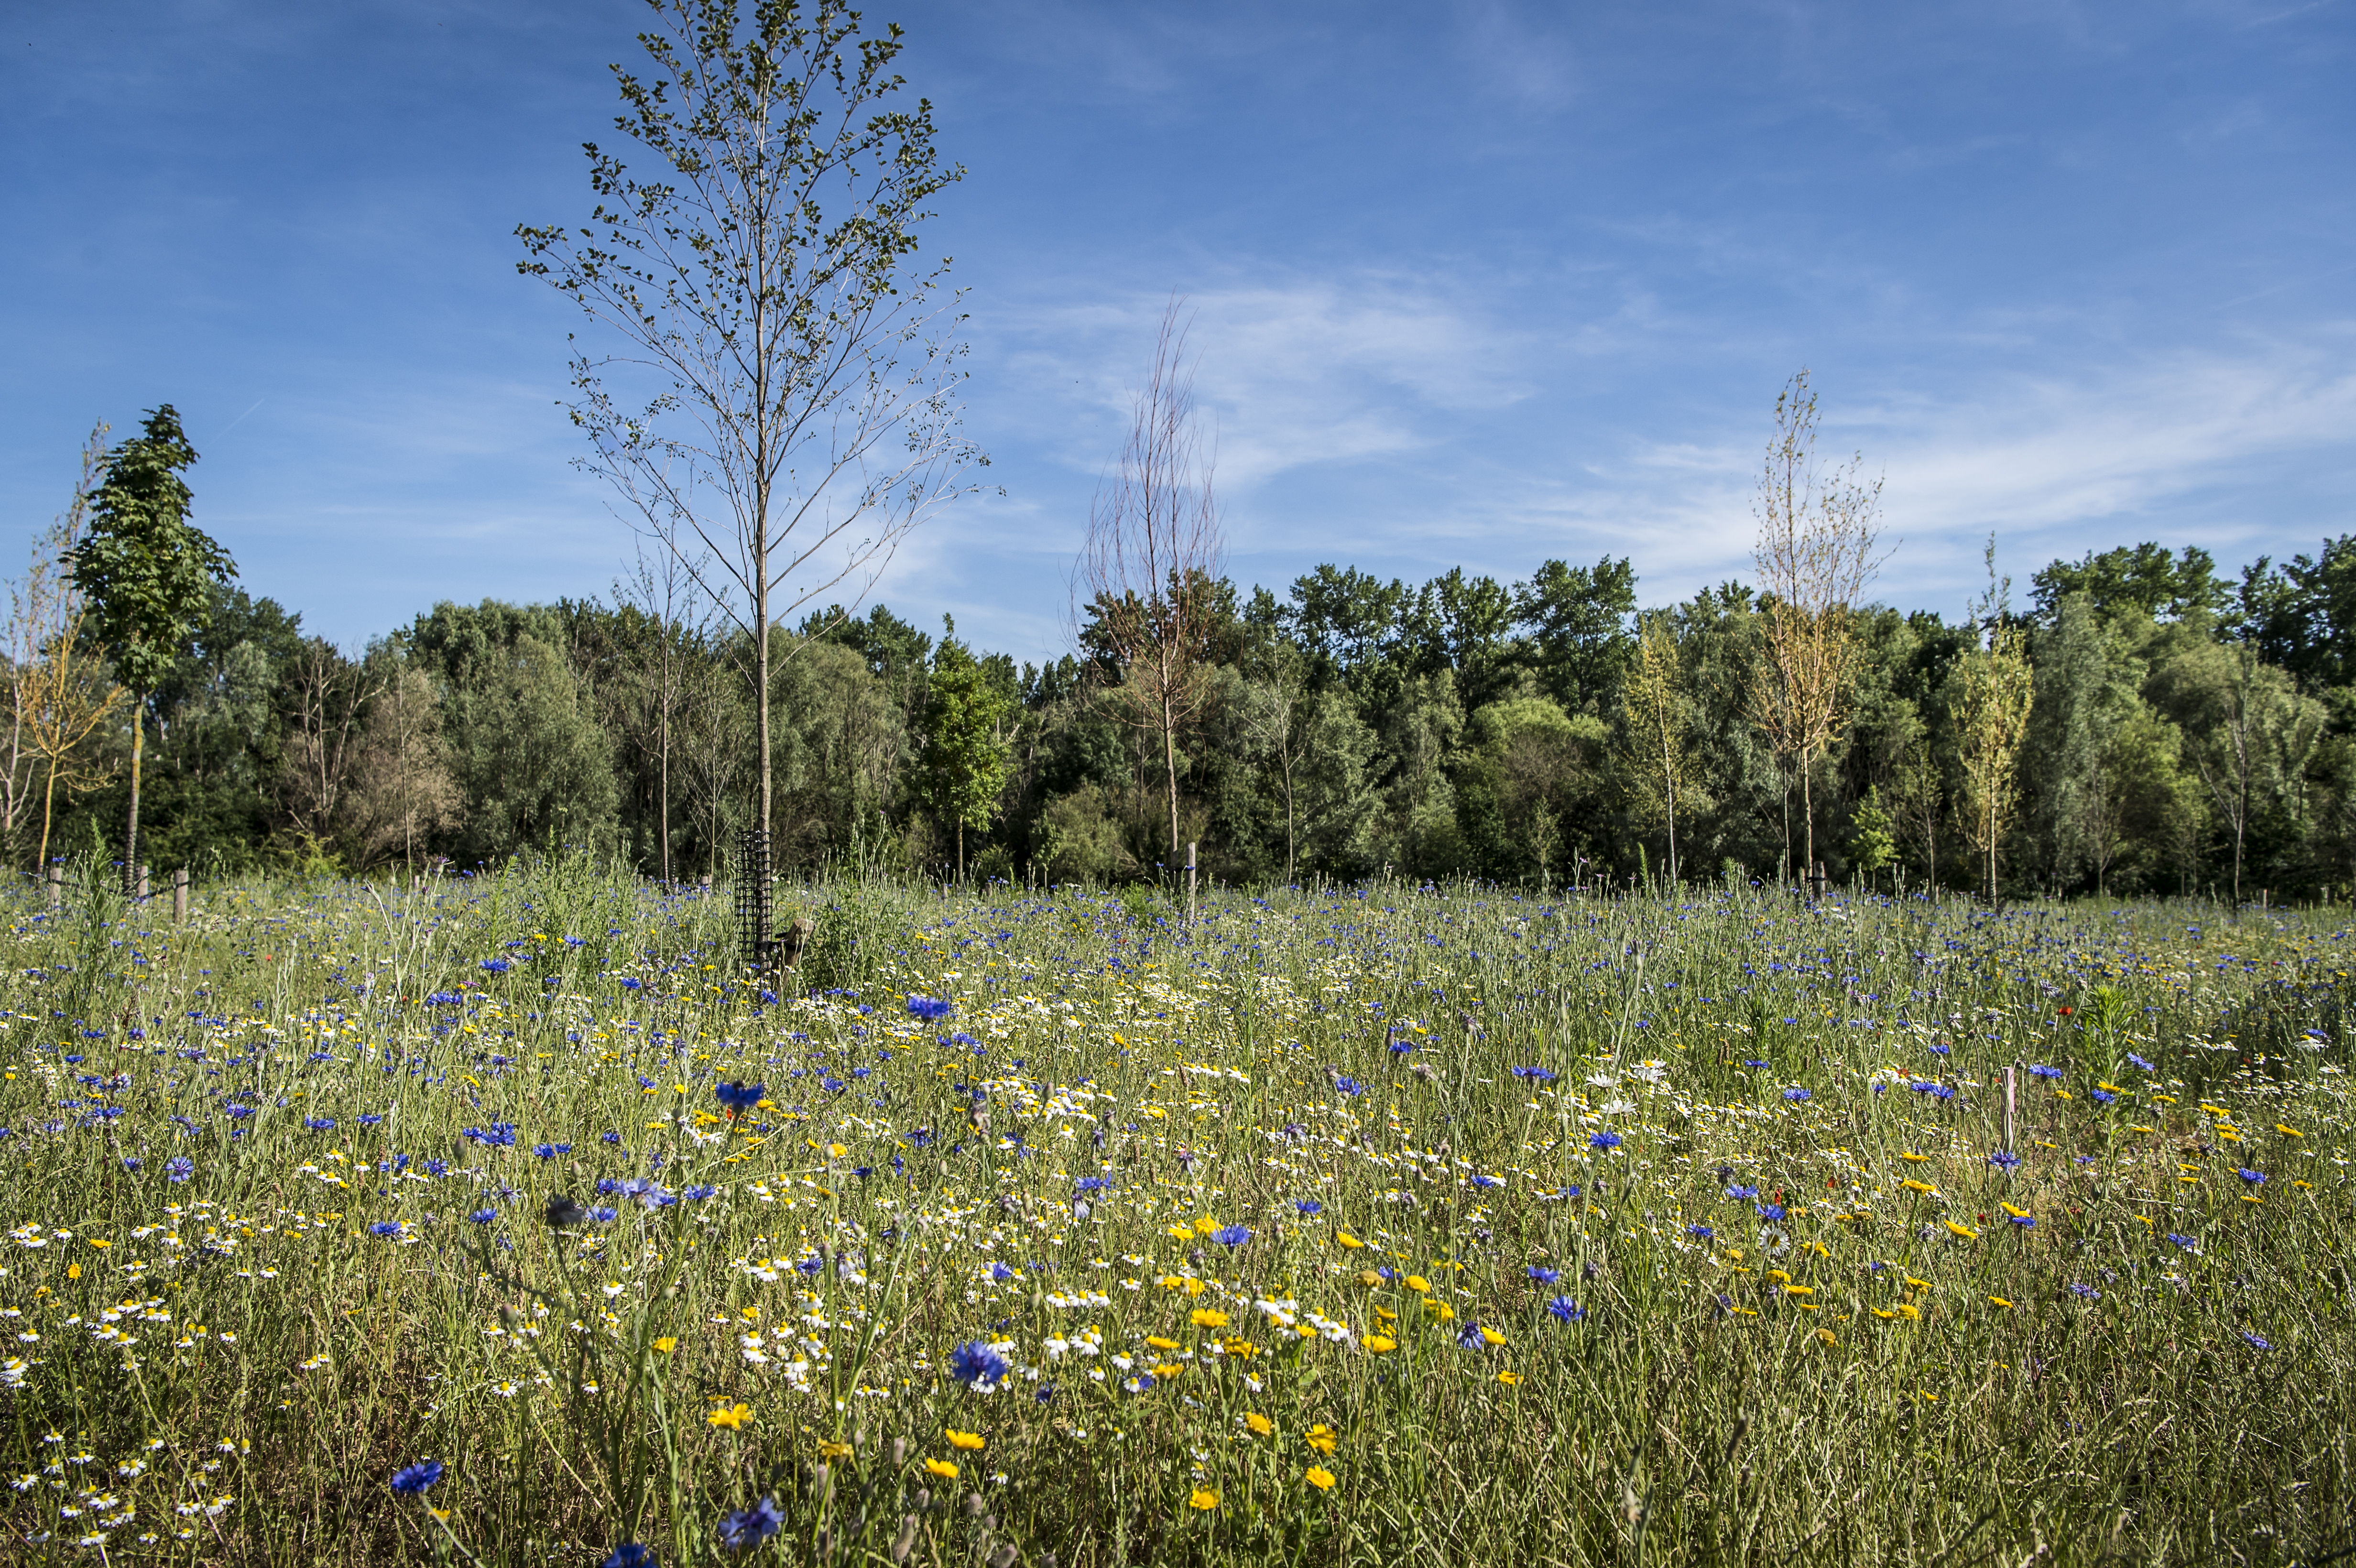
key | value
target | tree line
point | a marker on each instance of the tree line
(2141, 724)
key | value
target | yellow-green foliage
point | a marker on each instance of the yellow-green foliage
(1398, 1225)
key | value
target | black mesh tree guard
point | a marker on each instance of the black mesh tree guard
(753, 906)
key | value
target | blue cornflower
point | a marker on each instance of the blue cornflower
(698, 1193)
(1743, 1192)
(1942, 1092)
(2005, 1159)
(2254, 1177)
(1701, 1232)
(445, 999)
(931, 1010)
(178, 1169)
(1308, 1206)
(1769, 1211)
(630, 983)
(1940, 1049)
(2139, 1061)
(740, 1097)
(1604, 1141)
(1345, 1085)
(602, 1215)
(1469, 1337)
(1796, 1092)
(131, 1162)
(2103, 1097)
(369, 1119)
(497, 965)
(2086, 1291)
(1091, 1184)
(1401, 1047)
(2254, 1342)
(2182, 1239)
(978, 1366)
(1000, 1271)
(1754, 1064)
(483, 1216)
(1231, 1235)
(609, 1137)
(385, 1228)
(633, 1555)
(412, 1479)
(1544, 1276)
(1539, 1073)
(320, 1124)
(752, 1526)
(237, 1113)
(2045, 1073)
(1563, 1309)
(1485, 1181)
(550, 1151)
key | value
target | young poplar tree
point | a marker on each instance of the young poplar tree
(148, 574)
(1995, 689)
(1815, 555)
(785, 401)
(962, 768)
(1656, 704)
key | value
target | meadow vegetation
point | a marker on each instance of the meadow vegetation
(503, 1221)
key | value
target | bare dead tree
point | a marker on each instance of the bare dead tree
(787, 397)
(663, 586)
(330, 696)
(1154, 556)
(1815, 555)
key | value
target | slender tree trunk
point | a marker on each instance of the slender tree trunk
(662, 787)
(1807, 813)
(1170, 768)
(48, 793)
(131, 831)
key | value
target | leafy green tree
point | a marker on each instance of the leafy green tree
(148, 574)
(962, 769)
(1873, 841)
(2143, 578)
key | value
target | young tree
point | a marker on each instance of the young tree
(403, 793)
(1654, 698)
(963, 766)
(1995, 689)
(1814, 556)
(59, 697)
(785, 399)
(662, 593)
(1154, 555)
(148, 574)
(329, 697)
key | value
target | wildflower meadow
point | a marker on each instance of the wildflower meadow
(505, 1219)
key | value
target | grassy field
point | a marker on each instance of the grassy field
(505, 1222)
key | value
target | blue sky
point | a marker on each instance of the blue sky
(1472, 284)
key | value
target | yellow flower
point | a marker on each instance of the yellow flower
(100, 1241)
(1828, 1336)
(1378, 1343)
(1416, 1282)
(1183, 1233)
(441, 1515)
(1159, 1343)
(838, 1150)
(1799, 1290)
(1508, 1378)
(1883, 1312)
(1911, 1184)
(1779, 1276)
(1259, 1423)
(964, 1439)
(1320, 1477)
(2016, 1213)
(1386, 1313)
(1167, 1369)
(1909, 1154)
(943, 1469)
(1208, 1317)
(2000, 1301)
(1203, 1498)
(1320, 1437)
(732, 1417)
(665, 1344)
(1965, 1232)
(830, 1449)
(73, 1271)
(1491, 1336)
(2288, 1132)
(1908, 1311)
(1347, 1240)
(1913, 1283)
(1369, 1278)
(1205, 1226)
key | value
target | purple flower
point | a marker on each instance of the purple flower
(1563, 1309)
(2086, 1291)
(633, 1555)
(1231, 1235)
(385, 1228)
(1797, 1094)
(2139, 1061)
(1544, 1276)
(1604, 1141)
(178, 1169)
(483, 1216)
(929, 1009)
(977, 1366)
(1308, 1206)
(2005, 1159)
(1345, 1085)
(411, 1480)
(2045, 1073)
(1539, 1073)
(752, 1526)
(1769, 1211)
(1701, 1232)
(2254, 1342)
(2252, 1177)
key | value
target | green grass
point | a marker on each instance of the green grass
(232, 1368)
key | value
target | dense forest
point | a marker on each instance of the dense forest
(2174, 731)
